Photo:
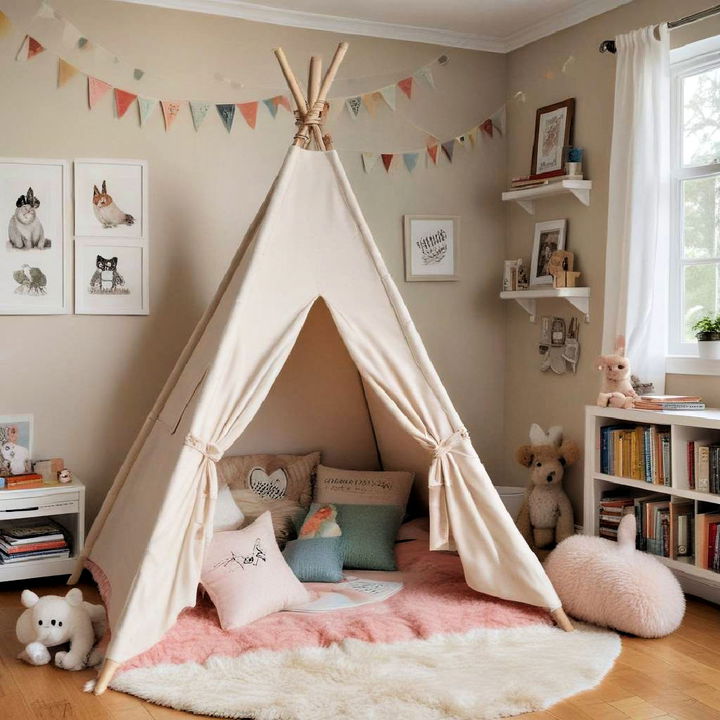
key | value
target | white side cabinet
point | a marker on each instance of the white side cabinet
(63, 503)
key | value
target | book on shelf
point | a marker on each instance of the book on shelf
(639, 452)
(18, 548)
(669, 402)
(707, 540)
(703, 465)
(611, 511)
(22, 481)
(31, 530)
(6, 559)
(527, 181)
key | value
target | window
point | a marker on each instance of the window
(695, 238)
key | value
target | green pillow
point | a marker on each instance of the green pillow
(318, 559)
(368, 534)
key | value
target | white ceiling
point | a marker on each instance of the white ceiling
(493, 25)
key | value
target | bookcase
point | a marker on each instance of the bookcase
(63, 503)
(684, 426)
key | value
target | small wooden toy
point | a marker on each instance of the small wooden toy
(561, 268)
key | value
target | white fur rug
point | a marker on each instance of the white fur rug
(476, 676)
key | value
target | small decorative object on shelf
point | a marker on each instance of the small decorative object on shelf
(49, 469)
(561, 267)
(16, 444)
(573, 162)
(707, 333)
(65, 476)
(616, 389)
(559, 344)
(515, 276)
(549, 237)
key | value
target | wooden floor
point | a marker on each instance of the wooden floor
(676, 677)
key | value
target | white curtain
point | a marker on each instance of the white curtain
(636, 267)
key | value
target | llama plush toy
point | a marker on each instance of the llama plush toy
(616, 390)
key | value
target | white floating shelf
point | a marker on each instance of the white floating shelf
(526, 197)
(578, 297)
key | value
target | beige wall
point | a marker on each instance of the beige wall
(90, 380)
(564, 65)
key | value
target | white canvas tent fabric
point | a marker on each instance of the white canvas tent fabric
(309, 242)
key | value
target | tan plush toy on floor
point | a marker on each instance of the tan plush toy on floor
(546, 517)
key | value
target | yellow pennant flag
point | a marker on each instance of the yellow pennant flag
(369, 102)
(5, 24)
(66, 72)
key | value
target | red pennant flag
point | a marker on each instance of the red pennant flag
(249, 112)
(282, 101)
(170, 110)
(96, 90)
(487, 127)
(406, 86)
(432, 151)
(387, 159)
(123, 100)
(34, 47)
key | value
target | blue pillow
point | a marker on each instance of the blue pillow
(318, 559)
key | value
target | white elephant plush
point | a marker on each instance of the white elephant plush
(54, 620)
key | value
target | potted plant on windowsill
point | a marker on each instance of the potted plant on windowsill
(707, 333)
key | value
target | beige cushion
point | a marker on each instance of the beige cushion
(362, 487)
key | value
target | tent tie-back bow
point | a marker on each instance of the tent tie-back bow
(440, 450)
(207, 450)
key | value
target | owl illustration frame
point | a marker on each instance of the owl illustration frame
(432, 248)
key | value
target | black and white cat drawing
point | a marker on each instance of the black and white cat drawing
(106, 279)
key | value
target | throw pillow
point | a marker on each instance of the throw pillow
(362, 487)
(321, 521)
(317, 559)
(246, 576)
(228, 515)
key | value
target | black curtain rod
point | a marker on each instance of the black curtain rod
(608, 46)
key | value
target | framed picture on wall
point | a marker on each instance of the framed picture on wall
(34, 254)
(431, 247)
(16, 438)
(553, 132)
(549, 237)
(111, 277)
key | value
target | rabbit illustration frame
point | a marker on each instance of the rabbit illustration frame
(35, 266)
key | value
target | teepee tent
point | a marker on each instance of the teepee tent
(309, 240)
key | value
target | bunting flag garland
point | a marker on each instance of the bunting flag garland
(170, 110)
(29, 49)
(199, 111)
(123, 100)
(472, 136)
(388, 94)
(46, 12)
(145, 109)
(5, 24)
(227, 114)
(269, 103)
(369, 161)
(406, 85)
(249, 111)
(410, 160)
(499, 119)
(66, 72)
(369, 101)
(448, 148)
(425, 74)
(387, 159)
(138, 73)
(432, 151)
(462, 140)
(283, 101)
(97, 89)
(487, 127)
(353, 104)
(84, 44)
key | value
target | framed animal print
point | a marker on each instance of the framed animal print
(16, 444)
(431, 247)
(34, 254)
(111, 277)
(111, 198)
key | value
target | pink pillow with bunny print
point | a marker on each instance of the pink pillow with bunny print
(246, 576)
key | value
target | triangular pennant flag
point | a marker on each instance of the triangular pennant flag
(353, 105)
(170, 110)
(249, 111)
(145, 108)
(66, 72)
(387, 159)
(369, 103)
(22, 53)
(269, 103)
(5, 24)
(70, 35)
(406, 86)
(45, 12)
(34, 47)
(369, 161)
(198, 110)
(138, 73)
(498, 120)
(96, 90)
(462, 140)
(389, 95)
(448, 148)
(425, 74)
(282, 101)
(227, 114)
(487, 127)
(84, 44)
(410, 160)
(123, 100)
(472, 136)
(432, 151)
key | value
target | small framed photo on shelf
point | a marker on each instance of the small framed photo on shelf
(111, 277)
(549, 237)
(16, 440)
(431, 247)
(34, 254)
(553, 132)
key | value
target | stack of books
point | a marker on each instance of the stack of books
(641, 452)
(703, 465)
(32, 539)
(670, 402)
(707, 540)
(528, 181)
(664, 528)
(21, 482)
(612, 510)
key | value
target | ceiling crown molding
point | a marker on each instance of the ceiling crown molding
(371, 28)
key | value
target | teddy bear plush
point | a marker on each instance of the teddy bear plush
(616, 389)
(546, 516)
(54, 620)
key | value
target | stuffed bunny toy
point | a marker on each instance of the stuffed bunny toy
(616, 390)
(54, 620)
(546, 516)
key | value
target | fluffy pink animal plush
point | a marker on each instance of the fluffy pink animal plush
(613, 584)
(616, 389)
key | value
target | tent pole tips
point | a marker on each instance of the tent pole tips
(562, 620)
(106, 675)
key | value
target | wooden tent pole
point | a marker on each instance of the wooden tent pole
(342, 48)
(302, 136)
(313, 91)
(106, 675)
(562, 620)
